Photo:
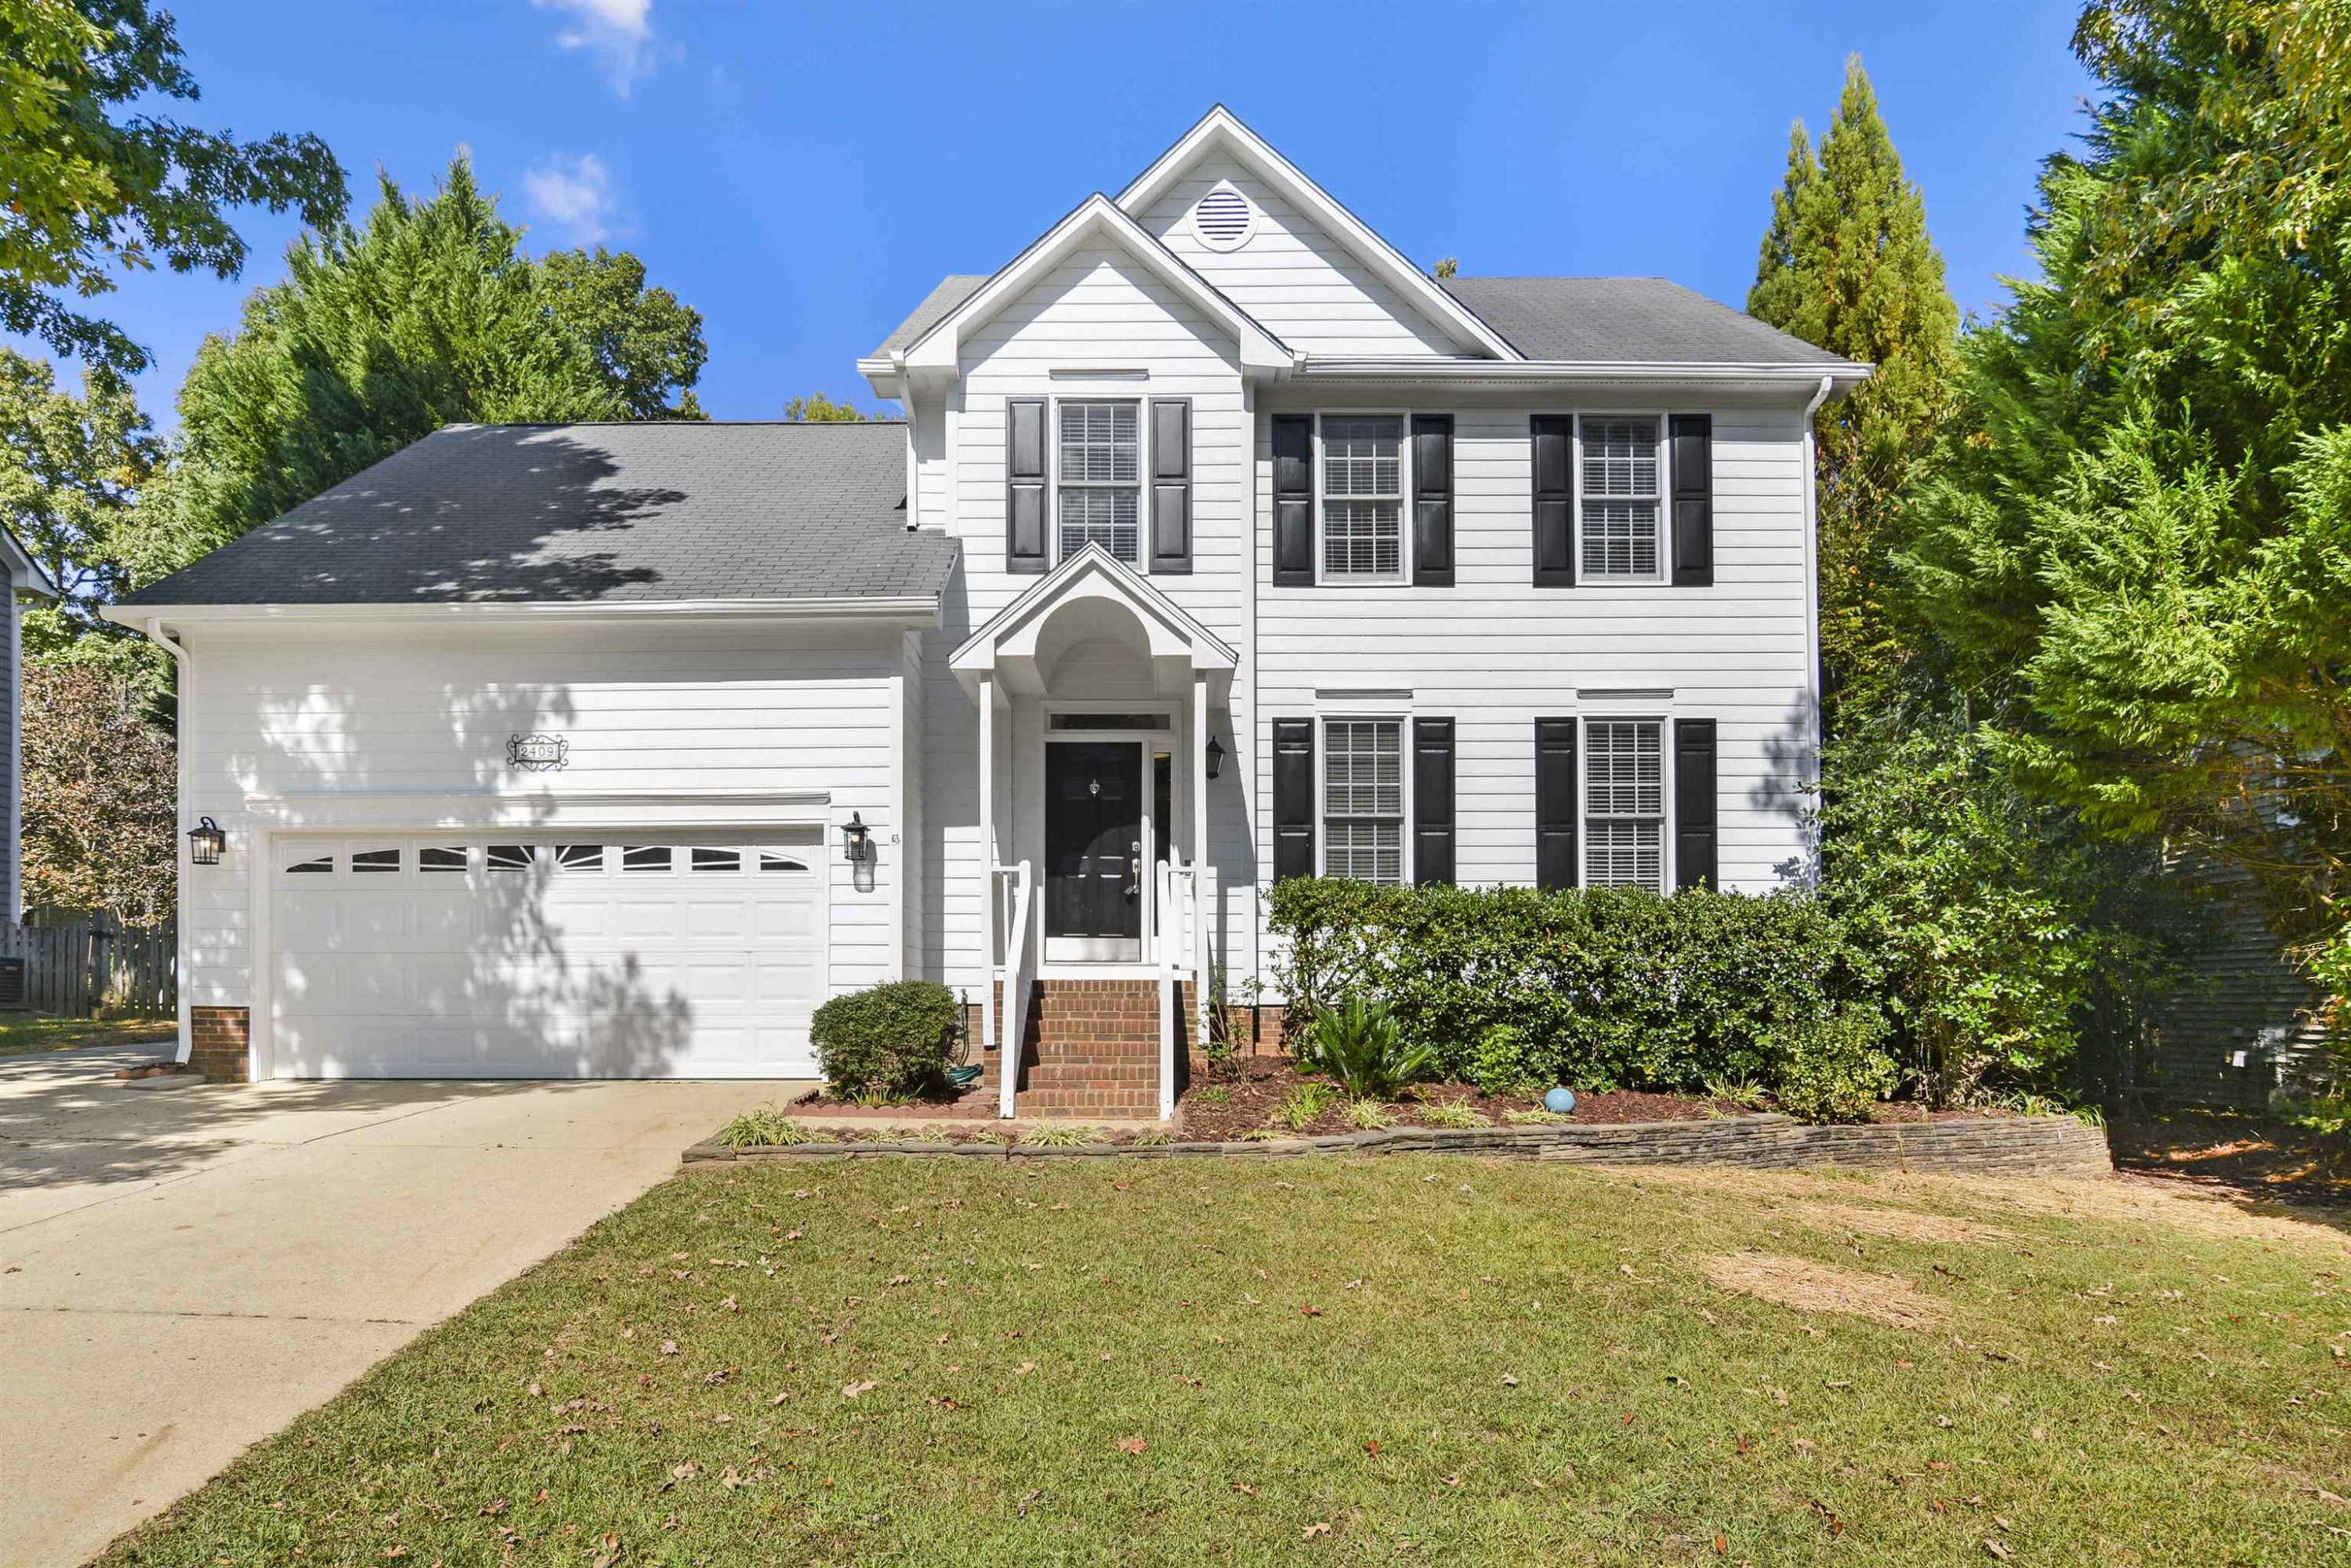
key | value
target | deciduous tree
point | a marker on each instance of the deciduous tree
(100, 793)
(71, 469)
(97, 180)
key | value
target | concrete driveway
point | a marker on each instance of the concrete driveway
(182, 1272)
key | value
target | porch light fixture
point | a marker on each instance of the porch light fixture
(1216, 758)
(857, 839)
(205, 841)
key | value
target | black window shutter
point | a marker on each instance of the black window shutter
(1432, 800)
(1555, 804)
(1024, 484)
(1693, 464)
(1694, 804)
(1171, 484)
(1293, 798)
(1293, 501)
(1432, 500)
(1554, 455)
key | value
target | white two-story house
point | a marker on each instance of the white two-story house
(1218, 544)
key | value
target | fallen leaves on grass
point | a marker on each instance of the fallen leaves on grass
(1132, 1445)
(1897, 1224)
(1808, 1287)
(852, 1390)
(1320, 1527)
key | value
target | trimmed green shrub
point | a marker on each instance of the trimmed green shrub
(1362, 1049)
(1832, 1068)
(1600, 987)
(888, 1041)
(1505, 1062)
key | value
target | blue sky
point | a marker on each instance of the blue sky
(803, 173)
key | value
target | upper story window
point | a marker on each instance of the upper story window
(1624, 803)
(1100, 478)
(1362, 498)
(1363, 799)
(1620, 535)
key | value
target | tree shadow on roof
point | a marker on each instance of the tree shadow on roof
(482, 514)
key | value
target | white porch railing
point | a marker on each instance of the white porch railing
(1009, 886)
(1188, 903)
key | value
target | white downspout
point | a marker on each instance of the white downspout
(1813, 582)
(153, 628)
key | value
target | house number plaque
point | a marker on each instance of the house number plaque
(537, 753)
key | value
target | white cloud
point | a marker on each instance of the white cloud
(618, 33)
(575, 195)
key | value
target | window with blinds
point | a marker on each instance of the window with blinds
(1362, 497)
(1624, 803)
(1620, 498)
(1363, 799)
(1100, 478)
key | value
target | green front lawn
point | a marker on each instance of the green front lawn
(21, 1033)
(1427, 1360)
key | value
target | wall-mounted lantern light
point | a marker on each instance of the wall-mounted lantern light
(857, 839)
(205, 841)
(1216, 758)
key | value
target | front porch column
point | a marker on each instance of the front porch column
(988, 1025)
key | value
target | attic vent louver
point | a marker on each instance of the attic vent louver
(1224, 218)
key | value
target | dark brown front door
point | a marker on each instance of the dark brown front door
(1093, 845)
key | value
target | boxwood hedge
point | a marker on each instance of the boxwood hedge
(1605, 987)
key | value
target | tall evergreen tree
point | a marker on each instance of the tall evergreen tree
(2141, 548)
(1847, 265)
(429, 314)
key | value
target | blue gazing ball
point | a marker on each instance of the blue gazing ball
(1561, 1100)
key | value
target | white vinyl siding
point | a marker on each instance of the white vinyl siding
(1619, 525)
(1362, 484)
(1305, 287)
(1496, 653)
(413, 718)
(1101, 326)
(1624, 803)
(1100, 478)
(1363, 799)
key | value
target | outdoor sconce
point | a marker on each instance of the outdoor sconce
(1216, 758)
(205, 841)
(857, 839)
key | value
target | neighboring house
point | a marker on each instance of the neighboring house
(1219, 544)
(27, 578)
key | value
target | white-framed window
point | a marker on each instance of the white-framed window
(1363, 798)
(1621, 475)
(1362, 477)
(1098, 498)
(1624, 803)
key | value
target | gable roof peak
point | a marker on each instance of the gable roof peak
(1221, 128)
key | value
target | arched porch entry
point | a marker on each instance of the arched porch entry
(1098, 699)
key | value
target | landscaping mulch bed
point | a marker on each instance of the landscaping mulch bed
(973, 1105)
(1230, 1103)
(2247, 1157)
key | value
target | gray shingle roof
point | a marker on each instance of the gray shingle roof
(588, 513)
(952, 291)
(1628, 320)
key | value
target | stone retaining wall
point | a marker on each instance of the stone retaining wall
(1989, 1146)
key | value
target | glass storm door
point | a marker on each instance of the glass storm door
(1093, 852)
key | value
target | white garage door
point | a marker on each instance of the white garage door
(660, 956)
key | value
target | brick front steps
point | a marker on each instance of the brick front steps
(2014, 1146)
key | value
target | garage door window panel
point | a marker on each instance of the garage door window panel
(645, 858)
(376, 863)
(580, 857)
(717, 862)
(442, 858)
(508, 857)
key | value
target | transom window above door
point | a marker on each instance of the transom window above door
(1100, 478)
(1362, 498)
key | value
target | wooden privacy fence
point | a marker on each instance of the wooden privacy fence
(73, 968)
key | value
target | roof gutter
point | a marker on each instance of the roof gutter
(1542, 371)
(921, 609)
